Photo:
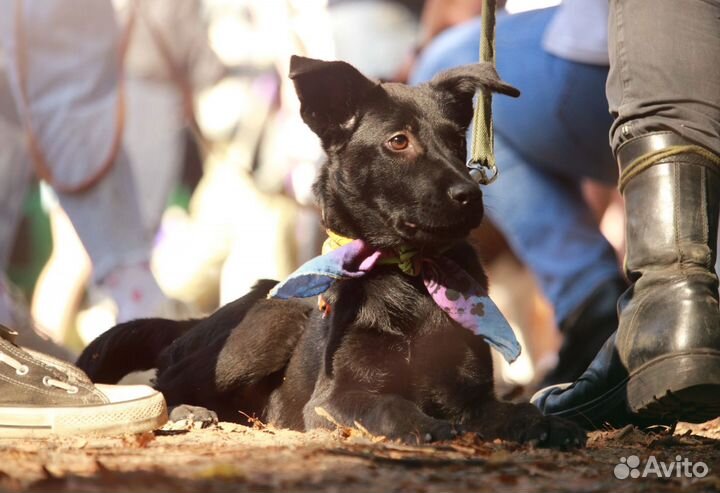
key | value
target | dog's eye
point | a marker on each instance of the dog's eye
(398, 142)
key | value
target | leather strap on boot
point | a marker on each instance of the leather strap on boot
(640, 153)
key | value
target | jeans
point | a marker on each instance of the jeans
(546, 143)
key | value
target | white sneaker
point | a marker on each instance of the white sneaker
(42, 397)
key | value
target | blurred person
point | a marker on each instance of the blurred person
(547, 143)
(437, 16)
(374, 35)
(77, 135)
(288, 153)
(264, 163)
(63, 73)
(14, 178)
(168, 61)
(663, 363)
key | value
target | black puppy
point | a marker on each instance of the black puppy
(387, 357)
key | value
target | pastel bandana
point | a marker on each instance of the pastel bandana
(454, 291)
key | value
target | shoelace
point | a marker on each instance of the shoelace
(46, 360)
(21, 370)
(51, 382)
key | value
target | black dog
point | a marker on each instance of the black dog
(387, 357)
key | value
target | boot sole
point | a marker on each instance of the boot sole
(678, 387)
(134, 416)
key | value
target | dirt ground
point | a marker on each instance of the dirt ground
(230, 457)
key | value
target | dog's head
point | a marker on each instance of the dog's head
(396, 170)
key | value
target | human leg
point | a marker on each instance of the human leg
(663, 364)
(549, 225)
(72, 76)
(14, 177)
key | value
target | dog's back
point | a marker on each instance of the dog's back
(148, 343)
(231, 360)
(238, 368)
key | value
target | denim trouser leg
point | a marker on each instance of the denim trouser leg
(549, 225)
(547, 141)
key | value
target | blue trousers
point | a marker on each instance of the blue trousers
(546, 143)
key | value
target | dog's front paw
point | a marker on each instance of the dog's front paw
(552, 432)
(194, 414)
(435, 430)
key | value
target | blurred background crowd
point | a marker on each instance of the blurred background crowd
(222, 167)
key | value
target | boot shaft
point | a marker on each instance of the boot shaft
(671, 197)
(672, 194)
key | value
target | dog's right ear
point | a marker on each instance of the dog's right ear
(458, 86)
(330, 94)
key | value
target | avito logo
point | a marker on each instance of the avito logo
(630, 467)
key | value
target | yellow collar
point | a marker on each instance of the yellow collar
(404, 257)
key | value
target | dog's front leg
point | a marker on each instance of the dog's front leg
(386, 415)
(523, 423)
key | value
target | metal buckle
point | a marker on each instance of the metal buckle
(479, 172)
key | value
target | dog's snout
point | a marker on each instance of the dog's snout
(465, 193)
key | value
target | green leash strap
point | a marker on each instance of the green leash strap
(482, 156)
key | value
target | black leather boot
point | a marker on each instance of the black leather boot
(663, 363)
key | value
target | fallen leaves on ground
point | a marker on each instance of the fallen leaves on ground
(181, 457)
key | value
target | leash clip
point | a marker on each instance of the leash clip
(484, 173)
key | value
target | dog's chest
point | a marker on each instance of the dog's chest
(401, 329)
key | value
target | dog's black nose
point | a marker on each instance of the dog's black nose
(465, 193)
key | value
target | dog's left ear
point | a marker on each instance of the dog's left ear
(458, 86)
(330, 94)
